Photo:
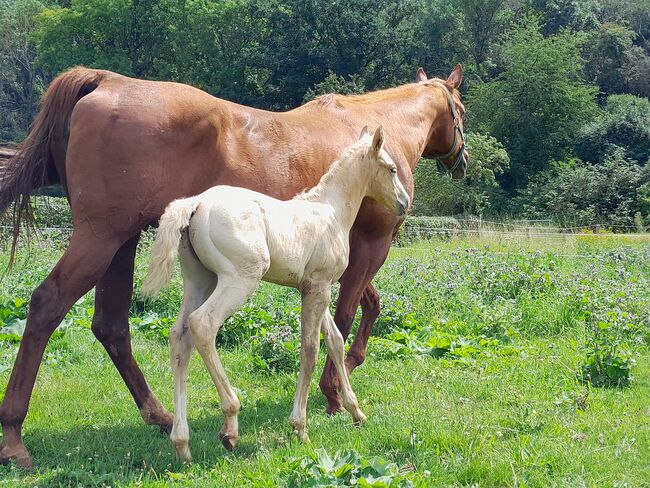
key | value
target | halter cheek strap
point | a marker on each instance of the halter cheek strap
(455, 145)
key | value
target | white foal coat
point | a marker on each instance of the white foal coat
(229, 239)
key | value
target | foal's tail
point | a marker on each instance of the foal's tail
(165, 247)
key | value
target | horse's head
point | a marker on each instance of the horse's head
(384, 185)
(446, 140)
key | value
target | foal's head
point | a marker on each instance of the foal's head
(384, 186)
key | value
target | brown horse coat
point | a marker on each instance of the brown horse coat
(124, 148)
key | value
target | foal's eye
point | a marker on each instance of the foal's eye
(393, 170)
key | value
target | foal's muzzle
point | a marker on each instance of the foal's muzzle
(402, 205)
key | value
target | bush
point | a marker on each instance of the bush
(276, 350)
(437, 194)
(610, 193)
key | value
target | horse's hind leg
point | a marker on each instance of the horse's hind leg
(229, 295)
(82, 264)
(111, 327)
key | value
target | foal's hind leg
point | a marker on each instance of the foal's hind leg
(230, 294)
(111, 327)
(199, 283)
(82, 264)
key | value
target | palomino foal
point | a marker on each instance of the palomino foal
(232, 238)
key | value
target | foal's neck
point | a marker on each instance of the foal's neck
(343, 187)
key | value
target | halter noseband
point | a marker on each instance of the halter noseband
(457, 130)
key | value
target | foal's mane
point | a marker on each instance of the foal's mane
(316, 192)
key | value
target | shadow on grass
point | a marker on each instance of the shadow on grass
(100, 455)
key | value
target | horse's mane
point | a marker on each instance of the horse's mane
(316, 192)
(376, 95)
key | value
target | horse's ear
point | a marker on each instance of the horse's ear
(456, 76)
(378, 140)
(420, 76)
(364, 132)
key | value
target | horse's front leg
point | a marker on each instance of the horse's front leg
(367, 254)
(315, 300)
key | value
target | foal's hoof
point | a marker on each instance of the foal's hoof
(18, 454)
(183, 454)
(359, 418)
(229, 441)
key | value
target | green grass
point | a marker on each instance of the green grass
(504, 406)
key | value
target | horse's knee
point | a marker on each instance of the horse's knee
(370, 304)
(109, 328)
(356, 357)
(344, 319)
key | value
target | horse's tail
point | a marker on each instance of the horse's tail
(165, 247)
(32, 166)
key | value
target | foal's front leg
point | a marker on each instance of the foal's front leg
(336, 352)
(315, 299)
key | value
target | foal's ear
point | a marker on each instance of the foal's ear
(420, 76)
(364, 132)
(378, 140)
(456, 76)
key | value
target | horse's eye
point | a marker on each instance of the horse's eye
(393, 170)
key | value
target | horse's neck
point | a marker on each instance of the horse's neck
(407, 115)
(409, 124)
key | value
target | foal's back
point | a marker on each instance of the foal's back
(251, 235)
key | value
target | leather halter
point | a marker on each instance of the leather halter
(457, 130)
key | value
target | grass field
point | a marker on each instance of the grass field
(478, 376)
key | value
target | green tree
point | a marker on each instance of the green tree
(614, 63)
(483, 21)
(623, 126)
(537, 105)
(20, 82)
(128, 36)
(575, 15)
(437, 194)
(306, 39)
(335, 84)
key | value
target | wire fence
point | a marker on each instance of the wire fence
(54, 220)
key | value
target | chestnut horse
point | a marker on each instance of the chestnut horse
(123, 148)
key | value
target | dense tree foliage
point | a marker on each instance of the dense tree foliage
(546, 81)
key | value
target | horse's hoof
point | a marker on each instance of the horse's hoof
(165, 428)
(228, 440)
(302, 436)
(153, 413)
(18, 454)
(334, 407)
